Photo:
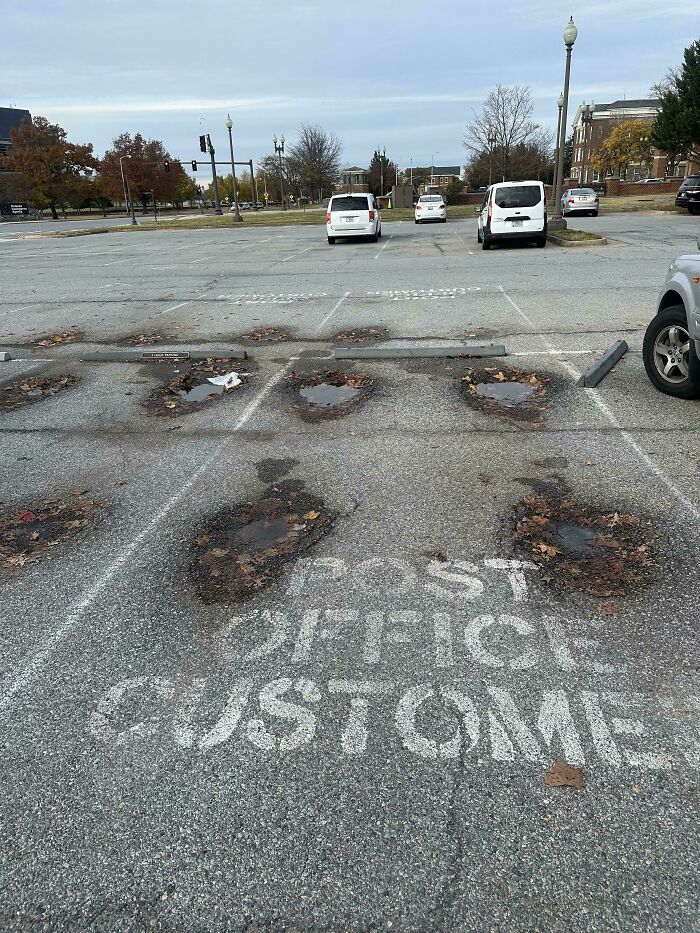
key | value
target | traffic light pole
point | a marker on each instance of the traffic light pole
(217, 202)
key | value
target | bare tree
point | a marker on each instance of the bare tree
(315, 158)
(506, 118)
(666, 84)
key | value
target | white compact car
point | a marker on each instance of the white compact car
(353, 215)
(431, 207)
(513, 210)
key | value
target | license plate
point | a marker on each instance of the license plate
(349, 220)
(431, 208)
(517, 223)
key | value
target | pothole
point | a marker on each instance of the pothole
(362, 335)
(329, 394)
(506, 393)
(33, 533)
(57, 340)
(192, 386)
(28, 391)
(578, 548)
(267, 334)
(241, 550)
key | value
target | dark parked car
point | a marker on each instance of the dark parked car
(689, 194)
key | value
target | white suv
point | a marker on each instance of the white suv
(353, 215)
(672, 340)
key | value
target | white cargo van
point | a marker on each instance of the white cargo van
(513, 210)
(353, 215)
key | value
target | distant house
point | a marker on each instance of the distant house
(439, 176)
(589, 137)
(353, 179)
(10, 119)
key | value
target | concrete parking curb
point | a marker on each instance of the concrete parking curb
(5, 356)
(158, 356)
(560, 241)
(400, 353)
(594, 374)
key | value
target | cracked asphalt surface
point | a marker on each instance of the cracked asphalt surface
(363, 743)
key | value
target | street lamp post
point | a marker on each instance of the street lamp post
(560, 104)
(586, 121)
(279, 151)
(127, 190)
(491, 140)
(236, 208)
(570, 33)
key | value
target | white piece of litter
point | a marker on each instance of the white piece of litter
(229, 381)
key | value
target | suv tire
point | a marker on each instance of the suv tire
(665, 336)
(373, 238)
(331, 240)
(485, 241)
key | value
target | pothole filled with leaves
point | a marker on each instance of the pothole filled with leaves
(241, 550)
(35, 389)
(267, 335)
(58, 340)
(578, 548)
(143, 340)
(362, 335)
(194, 384)
(506, 393)
(329, 394)
(32, 534)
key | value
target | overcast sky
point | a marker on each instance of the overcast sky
(405, 75)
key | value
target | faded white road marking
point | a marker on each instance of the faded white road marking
(34, 662)
(294, 255)
(203, 259)
(612, 419)
(174, 307)
(332, 312)
(383, 247)
(116, 262)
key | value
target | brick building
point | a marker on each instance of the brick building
(589, 136)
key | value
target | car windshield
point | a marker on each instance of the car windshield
(518, 196)
(691, 181)
(429, 198)
(349, 204)
(587, 192)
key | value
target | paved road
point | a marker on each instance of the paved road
(363, 743)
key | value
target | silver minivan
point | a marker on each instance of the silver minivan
(513, 210)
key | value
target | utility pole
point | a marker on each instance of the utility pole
(279, 151)
(253, 186)
(127, 190)
(217, 201)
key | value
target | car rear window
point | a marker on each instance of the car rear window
(349, 204)
(691, 181)
(430, 198)
(518, 196)
(580, 191)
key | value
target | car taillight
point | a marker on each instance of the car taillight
(442, 207)
(489, 212)
(596, 199)
(571, 200)
(328, 218)
(418, 207)
(371, 215)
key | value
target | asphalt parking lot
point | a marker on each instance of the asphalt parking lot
(359, 738)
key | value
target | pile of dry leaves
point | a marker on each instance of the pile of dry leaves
(141, 340)
(28, 536)
(506, 393)
(56, 340)
(361, 335)
(600, 553)
(270, 334)
(243, 549)
(28, 391)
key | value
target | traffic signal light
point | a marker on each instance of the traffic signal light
(203, 143)
(194, 165)
(166, 166)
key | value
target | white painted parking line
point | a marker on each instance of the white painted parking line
(114, 284)
(388, 239)
(294, 255)
(116, 262)
(32, 664)
(203, 259)
(331, 313)
(602, 405)
(174, 307)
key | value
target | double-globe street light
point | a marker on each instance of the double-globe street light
(570, 33)
(279, 152)
(236, 208)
